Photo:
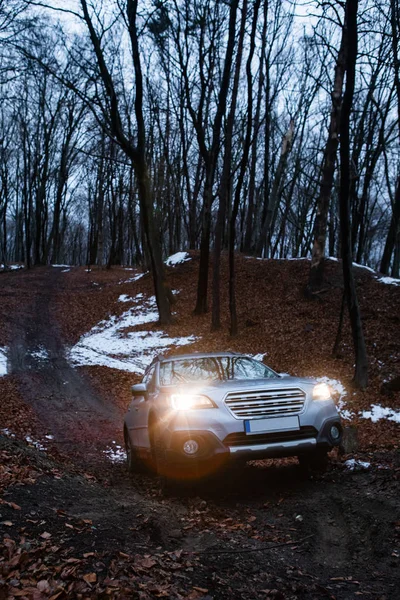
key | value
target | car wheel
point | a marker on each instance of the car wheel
(316, 462)
(133, 461)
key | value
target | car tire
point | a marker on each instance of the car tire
(316, 462)
(133, 461)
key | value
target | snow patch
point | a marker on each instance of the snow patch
(65, 271)
(108, 344)
(346, 414)
(177, 258)
(40, 354)
(3, 361)
(378, 412)
(132, 279)
(7, 432)
(125, 298)
(389, 280)
(39, 445)
(35, 444)
(295, 258)
(12, 267)
(364, 267)
(115, 453)
(62, 266)
(352, 464)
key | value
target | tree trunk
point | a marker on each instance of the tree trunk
(361, 369)
(242, 171)
(395, 220)
(249, 234)
(273, 200)
(210, 160)
(226, 183)
(136, 154)
(328, 168)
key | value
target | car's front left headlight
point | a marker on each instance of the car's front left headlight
(190, 401)
(322, 391)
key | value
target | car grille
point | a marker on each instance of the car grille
(242, 439)
(265, 403)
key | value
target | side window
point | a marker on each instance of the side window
(150, 379)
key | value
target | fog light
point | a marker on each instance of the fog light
(335, 432)
(190, 447)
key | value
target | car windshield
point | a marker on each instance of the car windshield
(212, 368)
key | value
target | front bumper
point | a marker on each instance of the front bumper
(223, 438)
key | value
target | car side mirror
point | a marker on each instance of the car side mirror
(140, 389)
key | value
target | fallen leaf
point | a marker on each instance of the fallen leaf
(7, 523)
(10, 504)
(73, 560)
(46, 535)
(43, 586)
(90, 577)
(147, 563)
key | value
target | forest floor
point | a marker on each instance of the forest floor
(73, 524)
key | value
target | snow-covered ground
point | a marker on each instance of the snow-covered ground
(389, 280)
(177, 259)
(108, 344)
(3, 361)
(40, 354)
(378, 412)
(364, 267)
(12, 267)
(132, 279)
(125, 298)
(354, 465)
(115, 453)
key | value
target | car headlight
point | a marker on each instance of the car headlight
(190, 401)
(321, 391)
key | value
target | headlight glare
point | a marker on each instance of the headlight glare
(321, 391)
(190, 401)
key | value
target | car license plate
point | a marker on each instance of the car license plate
(271, 425)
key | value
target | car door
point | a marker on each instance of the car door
(140, 407)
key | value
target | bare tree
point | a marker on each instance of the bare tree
(135, 152)
(328, 166)
(393, 236)
(361, 368)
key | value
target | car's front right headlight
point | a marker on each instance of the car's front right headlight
(322, 391)
(190, 401)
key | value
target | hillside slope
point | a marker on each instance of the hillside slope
(294, 335)
(73, 523)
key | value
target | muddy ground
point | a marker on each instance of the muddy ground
(73, 519)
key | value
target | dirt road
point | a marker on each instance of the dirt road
(81, 422)
(337, 536)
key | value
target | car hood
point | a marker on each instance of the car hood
(221, 388)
